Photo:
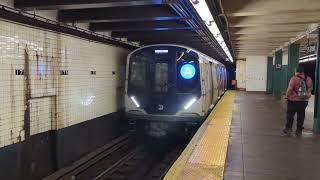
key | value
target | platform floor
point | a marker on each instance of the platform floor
(258, 151)
(242, 140)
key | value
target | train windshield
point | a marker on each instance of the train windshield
(163, 70)
(161, 77)
(137, 78)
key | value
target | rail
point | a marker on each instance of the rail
(92, 160)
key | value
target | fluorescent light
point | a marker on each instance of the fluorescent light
(304, 57)
(202, 7)
(161, 51)
(308, 59)
(205, 14)
(135, 101)
(193, 100)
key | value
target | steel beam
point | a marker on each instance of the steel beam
(221, 20)
(25, 18)
(186, 9)
(175, 41)
(138, 26)
(154, 34)
(83, 4)
(117, 14)
(172, 38)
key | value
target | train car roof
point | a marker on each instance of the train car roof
(177, 45)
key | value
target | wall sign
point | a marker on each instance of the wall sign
(278, 66)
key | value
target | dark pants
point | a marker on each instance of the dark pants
(294, 107)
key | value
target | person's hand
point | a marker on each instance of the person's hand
(309, 95)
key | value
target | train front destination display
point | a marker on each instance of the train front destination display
(188, 71)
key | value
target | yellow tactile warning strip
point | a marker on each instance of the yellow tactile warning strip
(205, 155)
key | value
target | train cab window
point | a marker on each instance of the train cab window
(137, 72)
(161, 77)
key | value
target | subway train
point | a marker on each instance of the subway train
(171, 88)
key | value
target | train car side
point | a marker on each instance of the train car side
(213, 78)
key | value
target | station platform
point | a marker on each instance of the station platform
(242, 140)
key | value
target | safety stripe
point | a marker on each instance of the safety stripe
(205, 155)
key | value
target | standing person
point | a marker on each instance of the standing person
(234, 84)
(298, 94)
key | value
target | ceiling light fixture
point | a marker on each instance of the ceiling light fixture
(308, 59)
(195, 1)
(205, 14)
(307, 56)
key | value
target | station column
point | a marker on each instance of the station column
(277, 75)
(270, 69)
(293, 61)
(316, 124)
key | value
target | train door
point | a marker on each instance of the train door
(210, 84)
(162, 68)
(220, 81)
(226, 79)
(204, 85)
(215, 83)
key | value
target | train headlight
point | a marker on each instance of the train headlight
(193, 100)
(135, 101)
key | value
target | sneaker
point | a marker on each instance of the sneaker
(298, 133)
(287, 131)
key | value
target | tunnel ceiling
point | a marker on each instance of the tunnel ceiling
(144, 21)
(257, 27)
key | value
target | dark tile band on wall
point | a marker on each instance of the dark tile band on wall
(46, 152)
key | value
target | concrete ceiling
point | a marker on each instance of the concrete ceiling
(258, 27)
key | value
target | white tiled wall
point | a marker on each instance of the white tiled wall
(58, 101)
(7, 2)
(241, 74)
(256, 73)
(285, 57)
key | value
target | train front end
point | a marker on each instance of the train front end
(163, 89)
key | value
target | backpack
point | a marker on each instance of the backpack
(302, 92)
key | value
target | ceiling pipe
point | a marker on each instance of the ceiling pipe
(227, 23)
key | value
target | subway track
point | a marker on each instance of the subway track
(142, 163)
(127, 157)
